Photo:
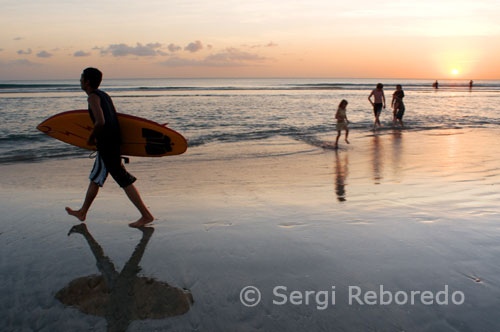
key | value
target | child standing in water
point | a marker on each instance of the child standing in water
(378, 103)
(398, 105)
(342, 122)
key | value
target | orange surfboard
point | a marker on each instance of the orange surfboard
(140, 137)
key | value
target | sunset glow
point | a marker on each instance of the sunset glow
(318, 38)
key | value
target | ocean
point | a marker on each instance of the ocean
(218, 111)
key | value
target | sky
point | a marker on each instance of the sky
(427, 39)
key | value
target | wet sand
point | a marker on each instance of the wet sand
(408, 211)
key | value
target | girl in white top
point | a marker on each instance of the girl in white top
(342, 122)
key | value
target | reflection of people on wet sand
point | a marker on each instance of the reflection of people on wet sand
(341, 169)
(398, 105)
(342, 122)
(123, 297)
(377, 160)
(378, 103)
(397, 153)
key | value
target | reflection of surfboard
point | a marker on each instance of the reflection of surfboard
(140, 137)
(148, 298)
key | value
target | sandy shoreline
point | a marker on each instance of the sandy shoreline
(405, 210)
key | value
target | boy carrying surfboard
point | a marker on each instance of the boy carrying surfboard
(106, 137)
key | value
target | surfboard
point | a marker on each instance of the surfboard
(140, 137)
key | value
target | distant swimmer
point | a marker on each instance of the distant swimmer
(342, 122)
(106, 137)
(470, 84)
(435, 85)
(378, 103)
(398, 105)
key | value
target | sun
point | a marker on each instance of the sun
(455, 71)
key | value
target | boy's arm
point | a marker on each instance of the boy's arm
(95, 107)
(370, 98)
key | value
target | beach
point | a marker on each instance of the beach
(237, 166)
(394, 211)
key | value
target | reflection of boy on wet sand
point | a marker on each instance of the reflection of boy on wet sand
(123, 297)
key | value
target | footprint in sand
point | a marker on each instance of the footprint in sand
(473, 278)
(290, 225)
(358, 222)
(212, 224)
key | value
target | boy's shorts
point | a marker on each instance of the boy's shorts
(109, 162)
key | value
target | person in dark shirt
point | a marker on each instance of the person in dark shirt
(106, 137)
(398, 105)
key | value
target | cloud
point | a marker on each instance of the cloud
(230, 57)
(270, 44)
(44, 54)
(151, 49)
(81, 54)
(174, 48)
(194, 46)
(118, 50)
(23, 52)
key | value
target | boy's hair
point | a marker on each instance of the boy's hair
(380, 86)
(93, 75)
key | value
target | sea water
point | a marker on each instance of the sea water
(219, 111)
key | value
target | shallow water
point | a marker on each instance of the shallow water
(239, 110)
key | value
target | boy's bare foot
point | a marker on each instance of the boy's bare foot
(143, 221)
(347, 141)
(79, 214)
